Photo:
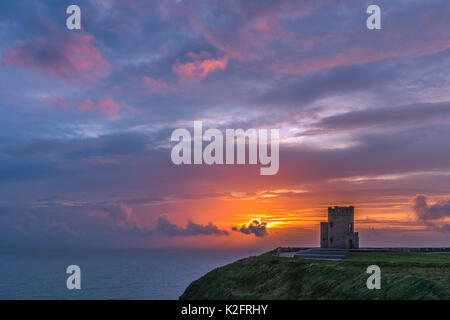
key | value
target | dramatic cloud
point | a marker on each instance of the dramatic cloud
(256, 227)
(363, 115)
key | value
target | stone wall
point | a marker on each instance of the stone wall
(324, 234)
(339, 231)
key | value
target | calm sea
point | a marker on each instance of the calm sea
(106, 274)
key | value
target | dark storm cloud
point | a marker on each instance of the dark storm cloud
(258, 228)
(165, 227)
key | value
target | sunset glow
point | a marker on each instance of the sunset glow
(87, 117)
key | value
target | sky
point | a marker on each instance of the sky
(87, 116)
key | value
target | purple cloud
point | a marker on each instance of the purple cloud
(69, 56)
(436, 211)
(256, 227)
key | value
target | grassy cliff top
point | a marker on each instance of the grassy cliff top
(403, 276)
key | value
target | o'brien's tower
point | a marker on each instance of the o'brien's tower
(338, 232)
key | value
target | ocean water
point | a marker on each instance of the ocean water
(106, 274)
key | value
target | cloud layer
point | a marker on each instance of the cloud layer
(86, 119)
(431, 214)
(165, 227)
(255, 227)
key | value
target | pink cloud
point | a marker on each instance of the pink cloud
(156, 85)
(69, 57)
(199, 68)
(266, 36)
(109, 107)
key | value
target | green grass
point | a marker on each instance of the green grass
(403, 276)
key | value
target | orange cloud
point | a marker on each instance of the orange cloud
(199, 68)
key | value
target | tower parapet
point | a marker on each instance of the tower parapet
(341, 211)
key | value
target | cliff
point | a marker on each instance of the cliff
(403, 276)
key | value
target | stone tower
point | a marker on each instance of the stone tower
(339, 232)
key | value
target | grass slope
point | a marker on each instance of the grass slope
(403, 276)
